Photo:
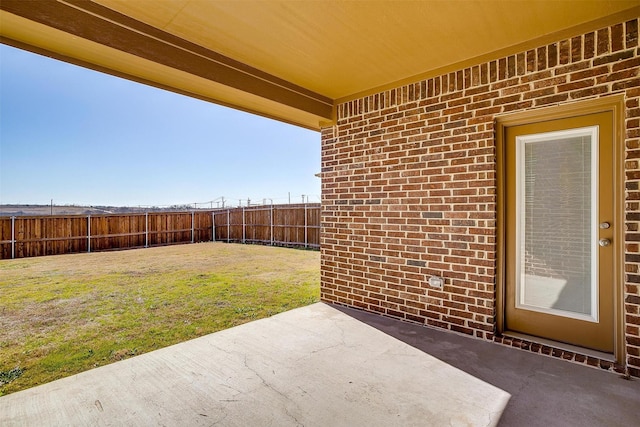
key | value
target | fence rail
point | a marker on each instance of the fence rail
(281, 225)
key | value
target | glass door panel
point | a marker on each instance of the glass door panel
(556, 188)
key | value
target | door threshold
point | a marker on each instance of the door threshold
(562, 346)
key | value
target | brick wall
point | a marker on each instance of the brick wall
(409, 184)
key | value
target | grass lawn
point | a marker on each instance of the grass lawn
(64, 314)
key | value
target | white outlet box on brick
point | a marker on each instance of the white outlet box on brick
(436, 282)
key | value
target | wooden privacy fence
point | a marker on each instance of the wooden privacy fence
(281, 225)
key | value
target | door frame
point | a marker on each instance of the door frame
(615, 105)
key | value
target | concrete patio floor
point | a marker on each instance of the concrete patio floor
(329, 366)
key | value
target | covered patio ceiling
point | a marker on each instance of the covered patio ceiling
(291, 60)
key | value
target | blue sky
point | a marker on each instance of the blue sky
(81, 137)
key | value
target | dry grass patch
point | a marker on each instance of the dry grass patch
(64, 314)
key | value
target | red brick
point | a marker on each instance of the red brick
(564, 52)
(576, 85)
(592, 91)
(614, 57)
(516, 89)
(576, 49)
(552, 55)
(631, 31)
(591, 72)
(623, 65)
(619, 76)
(519, 106)
(539, 93)
(626, 84)
(602, 41)
(521, 64)
(531, 60)
(542, 58)
(617, 37)
(589, 45)
(536, 77)
(571, 68)
(501, 69)
(511, 66)
(552, 99)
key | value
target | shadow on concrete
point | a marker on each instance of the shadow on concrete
(544, 391)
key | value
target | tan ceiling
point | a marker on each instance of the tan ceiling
(292, 59)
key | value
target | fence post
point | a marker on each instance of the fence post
(88, 233)
(192, 226)
(243, 226)
(228, 225)
(213, 226)
(13, 237)
(271, 223)
(146, 229)
(305, 225)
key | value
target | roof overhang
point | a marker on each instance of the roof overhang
(291, 61)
